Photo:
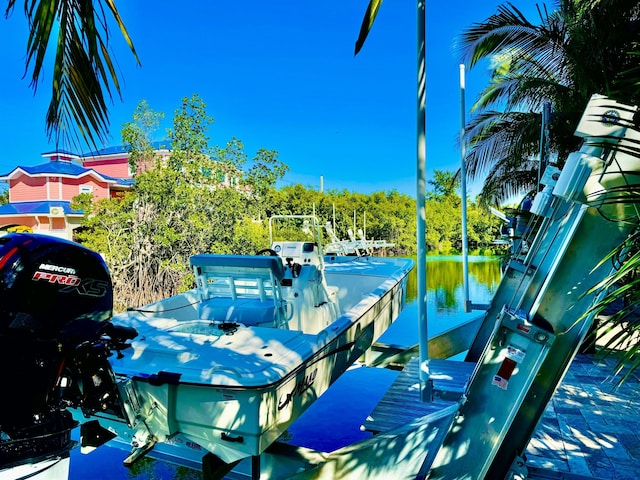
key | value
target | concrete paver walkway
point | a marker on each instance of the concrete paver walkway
(591, 427)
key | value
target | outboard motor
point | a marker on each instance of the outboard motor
(56, 298)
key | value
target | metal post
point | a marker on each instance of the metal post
(423, 341)
(364, 225)
(544, 141)
(334, 216)
(463, 194)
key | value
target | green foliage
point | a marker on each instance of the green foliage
(392, 216)
(138, 135)
(444, 217)
(261, 179)
(4, 196)
(443, 220)
(389, 216)
(444, 185)
(82, 202)
(189, 141)
(177, 207)
(186, 203)
(250, 236)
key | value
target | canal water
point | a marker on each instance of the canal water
(325, 426)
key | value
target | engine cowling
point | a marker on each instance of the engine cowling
(46, 283)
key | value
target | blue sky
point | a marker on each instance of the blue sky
(279, 75)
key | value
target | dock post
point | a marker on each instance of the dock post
(421, 232)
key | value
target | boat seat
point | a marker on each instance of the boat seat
(210, 262)
(240, 288)
(251, 312)
(238, 275)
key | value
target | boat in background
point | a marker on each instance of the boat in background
(355, 245)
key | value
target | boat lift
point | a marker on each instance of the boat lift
(484, 410)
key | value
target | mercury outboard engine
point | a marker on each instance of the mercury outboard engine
(56, 298)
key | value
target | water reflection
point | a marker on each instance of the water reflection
(445, 295)
(445, 283)
(445, 280)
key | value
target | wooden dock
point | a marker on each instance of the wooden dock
(401, 403)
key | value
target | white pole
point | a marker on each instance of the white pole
(334, 216)
(463, 187)
(364, 225)
(421, 234)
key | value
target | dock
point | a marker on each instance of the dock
(401, 403)
(590, 429)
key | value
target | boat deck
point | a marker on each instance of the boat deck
(590, 429)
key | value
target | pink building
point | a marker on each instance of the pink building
(40, 196)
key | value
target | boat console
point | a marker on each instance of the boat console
(313, 305)
(285, 291)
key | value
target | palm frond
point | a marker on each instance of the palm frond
(504, 182)
(494, 136)
(507, 29)
(367, 23)
(84, 73)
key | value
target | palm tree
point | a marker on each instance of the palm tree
(580, 48)
(367, 23)
(84, 75)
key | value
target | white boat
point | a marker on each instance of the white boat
(229, 365)
(353, 246)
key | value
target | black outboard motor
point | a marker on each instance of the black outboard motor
(56, 298)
